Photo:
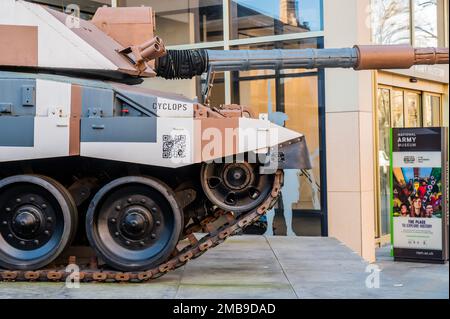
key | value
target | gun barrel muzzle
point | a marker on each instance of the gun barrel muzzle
(373, 57)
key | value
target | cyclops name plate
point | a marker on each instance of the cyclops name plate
(419, 194)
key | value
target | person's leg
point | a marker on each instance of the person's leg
(290, 196)
(287, 212)
(315, 190)
(270, 216)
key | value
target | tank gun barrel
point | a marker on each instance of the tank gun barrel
(365, 57)
(188, 63)
(244, 60)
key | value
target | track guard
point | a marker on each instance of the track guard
(292, 154)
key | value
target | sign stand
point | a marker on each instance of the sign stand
(419, 194)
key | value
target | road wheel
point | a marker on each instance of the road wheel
(237, 187)
(134, 223)
(38, 219)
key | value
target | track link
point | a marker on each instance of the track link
(187, 249)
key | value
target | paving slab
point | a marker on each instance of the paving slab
(244, 267)
(252, 267)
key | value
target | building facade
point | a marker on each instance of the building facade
(345, 115)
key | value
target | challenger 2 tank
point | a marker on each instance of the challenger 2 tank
(119, 180)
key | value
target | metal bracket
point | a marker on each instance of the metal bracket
(95, 112)
(28, 96)
(6, 108)
(207, 87)
(186, 197)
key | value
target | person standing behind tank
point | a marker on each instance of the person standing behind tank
(288, 196)
(291, 178)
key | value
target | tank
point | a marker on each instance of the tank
(104, 180)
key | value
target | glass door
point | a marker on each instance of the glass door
(397, 111)
(384, 125)
(412, 101)
(397, 107)
(431, 110)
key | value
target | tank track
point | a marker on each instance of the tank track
(187, 249)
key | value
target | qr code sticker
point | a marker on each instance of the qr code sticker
(174, 146)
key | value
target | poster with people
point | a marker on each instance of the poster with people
(419, 194)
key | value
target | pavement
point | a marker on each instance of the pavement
(247, 267)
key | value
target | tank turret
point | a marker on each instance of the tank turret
(37, 38)
(89, 159)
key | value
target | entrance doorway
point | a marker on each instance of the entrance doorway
(398, 107)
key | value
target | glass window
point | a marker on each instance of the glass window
(291, 98)
(301, 97)
(397, 108)
(391, 21)
(87, 7)
(396, 21)
(431, 110)
(217, 96)
(406, 109)
(217, 92)
(259, 91)
(184, 21)
(254, 18)
(412, 109)
(426, 23)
